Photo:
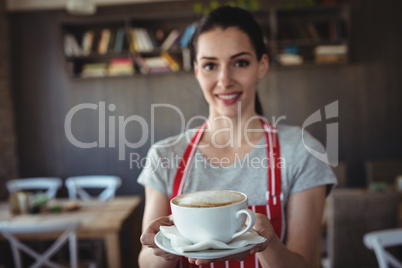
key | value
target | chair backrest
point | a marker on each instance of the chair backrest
(351, 214)
(385, 170)
(11, 230)
(379, 241)
(50, 184)
(77, 184)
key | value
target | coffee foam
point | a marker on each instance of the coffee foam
(209, 199)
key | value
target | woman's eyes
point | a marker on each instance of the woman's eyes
(242, 63)
(209, 66)
(239, 63)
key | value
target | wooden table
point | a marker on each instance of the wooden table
(99, 220)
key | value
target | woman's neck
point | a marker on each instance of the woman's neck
(236, 131)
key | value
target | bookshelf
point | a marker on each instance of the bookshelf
(310, 35)
(159, 43)
(127, 46)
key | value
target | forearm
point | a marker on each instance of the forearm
(277, 255)
(147, 259)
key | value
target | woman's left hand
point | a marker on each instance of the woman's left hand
(262, 226)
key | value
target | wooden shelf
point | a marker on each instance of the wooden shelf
(304, 28)
(300, 30)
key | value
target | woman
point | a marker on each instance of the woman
(237, 149)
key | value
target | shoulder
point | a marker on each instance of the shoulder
(176, 144)
(288, 131)
(296, 137)
(296, 147)
(292, 132)
(305, 158)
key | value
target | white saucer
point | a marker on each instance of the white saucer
(164, 243)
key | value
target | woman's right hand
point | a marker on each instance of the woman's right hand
(148, 236)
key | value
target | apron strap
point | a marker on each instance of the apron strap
(274, 179)
(183, 167)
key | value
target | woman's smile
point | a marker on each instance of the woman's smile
(229, 98)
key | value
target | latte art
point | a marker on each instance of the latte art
(204, 199)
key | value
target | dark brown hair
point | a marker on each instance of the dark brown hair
(225, 17)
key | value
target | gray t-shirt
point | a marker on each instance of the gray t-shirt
(300, 170)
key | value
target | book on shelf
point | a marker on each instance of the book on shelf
(331, 54)
(103, 44)
(94, 70)
(172, 63)
(290, 59)
(121, 66)
(171, 40)
(148, 65)
(290, 55)
(314, 35)
(87, 42)
(140, 40)
(187, 35)
(146, 39)
(141, 45)
(119, 40)
(133, 41)
(157, 65)
(316, 31)
(71, 46)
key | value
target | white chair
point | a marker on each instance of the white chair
(10, 231)
(76, 185)
(50, 184)
(379, 240)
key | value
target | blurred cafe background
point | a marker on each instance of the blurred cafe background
(86, 86)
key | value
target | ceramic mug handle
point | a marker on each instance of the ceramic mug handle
(251, 216)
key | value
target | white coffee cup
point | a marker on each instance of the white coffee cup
(212, 215)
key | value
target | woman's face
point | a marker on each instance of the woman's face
(228, 71)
